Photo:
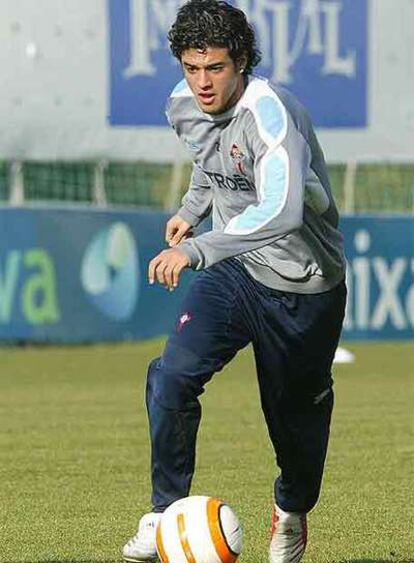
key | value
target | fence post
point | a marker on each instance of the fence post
(177, 178)
(349, 186)
(99, 193)
(16, 188)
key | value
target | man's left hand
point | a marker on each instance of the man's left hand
(167, 266)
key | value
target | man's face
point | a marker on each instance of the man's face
(213, 77)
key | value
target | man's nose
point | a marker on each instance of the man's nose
(204, 80)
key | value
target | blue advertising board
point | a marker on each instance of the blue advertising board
(80, 275)
(316, 48)
(380, 280)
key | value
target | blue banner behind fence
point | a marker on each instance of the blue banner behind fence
(380, 277)
(79, 275)
(317, 48)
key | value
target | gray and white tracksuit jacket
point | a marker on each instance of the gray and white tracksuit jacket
(260, 170)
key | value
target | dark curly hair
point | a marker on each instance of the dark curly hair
(213, 23)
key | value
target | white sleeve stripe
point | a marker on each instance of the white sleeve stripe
(273, 195)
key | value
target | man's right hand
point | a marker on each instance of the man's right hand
(177, 230)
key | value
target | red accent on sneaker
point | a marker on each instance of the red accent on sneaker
(273, 521)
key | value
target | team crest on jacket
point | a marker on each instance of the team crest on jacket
(238, 156)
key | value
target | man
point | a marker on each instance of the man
(272, 272)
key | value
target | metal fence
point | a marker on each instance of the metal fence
(358, 187)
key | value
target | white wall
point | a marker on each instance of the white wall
(55, 93)
(390, 134)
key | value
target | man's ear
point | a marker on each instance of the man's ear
(242, 63)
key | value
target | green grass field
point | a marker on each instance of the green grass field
(74, 455)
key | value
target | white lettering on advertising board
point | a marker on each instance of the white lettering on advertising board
(391, 304)
(316, 32)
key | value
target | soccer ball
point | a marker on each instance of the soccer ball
(199, 529)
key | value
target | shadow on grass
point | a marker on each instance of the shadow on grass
(117, 561)
(378, 561)
(68, 561)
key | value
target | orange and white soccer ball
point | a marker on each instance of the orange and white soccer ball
(199, 529)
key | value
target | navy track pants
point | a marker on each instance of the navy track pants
(294, 338)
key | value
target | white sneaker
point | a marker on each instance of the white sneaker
(288, 536)
(142, 547)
